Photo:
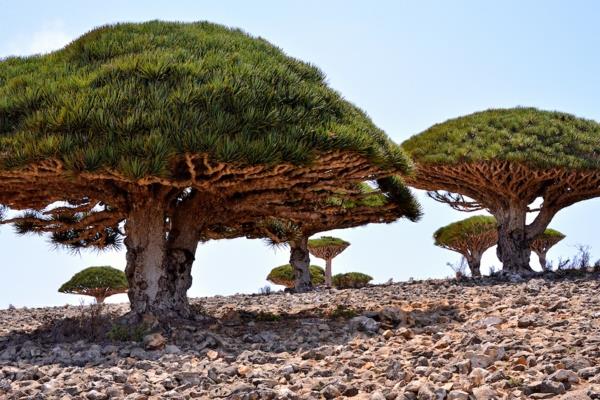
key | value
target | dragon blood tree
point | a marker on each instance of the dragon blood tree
(151, 132)
(383, 201)
(98, 282)
(327, 248)
(470, 237)
(502, 161)
(543, 243)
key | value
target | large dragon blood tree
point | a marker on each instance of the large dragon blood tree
(502, 161)
(150, 132)
(543, 243)
(470, 237)
(383, 201)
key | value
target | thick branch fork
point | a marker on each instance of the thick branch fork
(506, 189)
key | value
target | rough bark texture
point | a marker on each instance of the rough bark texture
(328, 277)
(300, 262)
(513, 245)
(474, 261)
(506, 189)
(542, 257)
(158, 264)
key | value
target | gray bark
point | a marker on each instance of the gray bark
(542, 257)
(300, 262)
(158, 265)
(474, 262)
(513, 245)
(328, 277)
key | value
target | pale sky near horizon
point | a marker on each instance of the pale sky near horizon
(407, 64)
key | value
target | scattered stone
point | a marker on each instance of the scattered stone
(485, 393)
(154, 341)
(172, 349)
(458, 395)
(545, 386)
(480, 361)
(526, 321)
(477, 376)
(432, 339)
(365, 324)
(564, 375)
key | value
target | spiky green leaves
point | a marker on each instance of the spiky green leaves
(546, 240)
(396, 192)
(327, 241)
(551, 234)
(284, 275)
(464, 230)
(130, 97)
(540, 139)
(91, 278)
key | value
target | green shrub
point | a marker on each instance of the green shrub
(343, 312)
(127, 333)
(284, 275)
(351, 280)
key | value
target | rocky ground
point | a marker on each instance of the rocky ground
(439, 339)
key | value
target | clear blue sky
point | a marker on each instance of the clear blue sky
(408, 64)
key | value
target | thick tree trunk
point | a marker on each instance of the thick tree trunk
(513, 246)
(474, 262)
(542, 257)
(158, 264)
(300, 262)
(328, 278)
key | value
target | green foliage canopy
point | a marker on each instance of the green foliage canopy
(351, 280)
(540, 139)
(327, 241)
(131, 97)
(551, 234)
(103, 277)
(464, 230)
(390, 190)
(284, 275)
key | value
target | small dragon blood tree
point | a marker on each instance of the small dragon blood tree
(543, 243)
(98, 282)
(149, 133)
(502, 161)
(284, 275)
(327, 248)
(470, 237)
(384, 201)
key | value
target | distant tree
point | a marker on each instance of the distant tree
(147, 134)
(502, 161)
(383, 201)
(470, 237)
(327, 248)
(543, 243)
(351, 280)
(98, 282)
(284, 275)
